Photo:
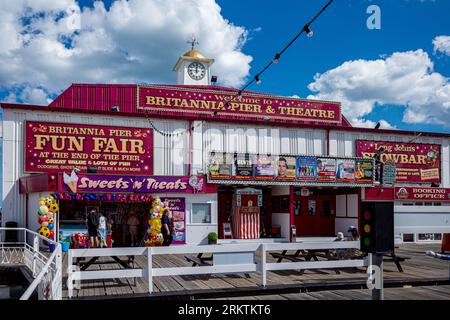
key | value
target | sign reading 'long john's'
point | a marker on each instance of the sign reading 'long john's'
(58, 147)
(415, 162)
(223, 104)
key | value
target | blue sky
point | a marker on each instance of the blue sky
(389, 67)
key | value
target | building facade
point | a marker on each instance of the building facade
(227, 150)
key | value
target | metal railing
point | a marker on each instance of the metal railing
(45, 267)
(260, 265)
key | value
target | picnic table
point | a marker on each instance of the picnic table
(129, 264)
(305, 255)
(199, 260)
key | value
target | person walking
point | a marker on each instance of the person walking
(166, 228)
(92, 229)
(102, 230)
(133, 223)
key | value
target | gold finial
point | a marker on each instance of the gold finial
(193, 41)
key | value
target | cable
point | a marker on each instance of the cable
(278, 55)
(169, 134)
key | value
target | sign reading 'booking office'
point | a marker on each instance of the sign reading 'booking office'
(225, 104)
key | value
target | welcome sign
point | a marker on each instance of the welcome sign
(225, 104)
(415, 162)
(58, 147)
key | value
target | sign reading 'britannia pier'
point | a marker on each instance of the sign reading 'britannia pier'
(225, 104)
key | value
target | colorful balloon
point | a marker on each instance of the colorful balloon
(44, 231)
(50, 226)
(44, 224)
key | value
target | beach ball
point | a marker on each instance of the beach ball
(44, 231)
(53, 208)
(51, 220)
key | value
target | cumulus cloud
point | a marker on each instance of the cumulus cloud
(404, 78)
(51, 44)
(362, 123)
(442, 44)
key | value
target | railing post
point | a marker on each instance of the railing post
(150, 270)
(69, 274)
(58, 273)
(263, 264)
(35, 253)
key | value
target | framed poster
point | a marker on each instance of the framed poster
(285, 168)
(244, 166)
(364, 170)
(306, 168)
(345, 170)
(326, 169)
(264, 167)
(220, 165)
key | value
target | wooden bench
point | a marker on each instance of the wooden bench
(196, 261)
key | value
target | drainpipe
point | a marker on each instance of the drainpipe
(328, 141)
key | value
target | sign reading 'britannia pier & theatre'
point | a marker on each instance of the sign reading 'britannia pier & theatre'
(226, 104)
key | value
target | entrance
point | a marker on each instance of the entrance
(314, 215)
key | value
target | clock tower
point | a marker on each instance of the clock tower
(193, 68)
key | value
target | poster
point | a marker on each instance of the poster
(178, 208)
(264, 167)
(306, 168)
(326, 169)
(221, 165)
(285, 167)
(364, 170)
(311, 207)
(345, 170)
(244, 166)
(414, 162)
(60, 147)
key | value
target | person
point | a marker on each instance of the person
(166, 228)
(340, 171)
(125, 229)
(282, 167)
(438, 255)
(339, 253)
(354, 236)
(102, 230)
(359, 173)
(92, 228)
(133, 223)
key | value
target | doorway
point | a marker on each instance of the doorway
(314, 215)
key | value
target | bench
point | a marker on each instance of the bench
(197, 261)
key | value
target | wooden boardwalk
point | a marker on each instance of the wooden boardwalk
(418, 267)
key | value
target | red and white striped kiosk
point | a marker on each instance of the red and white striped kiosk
(246, 212)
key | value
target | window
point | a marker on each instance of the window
(437, 204)
(408, 237)
(428, 203)
(419, 203)
(430, 236)
(201, 213)
(407, 203)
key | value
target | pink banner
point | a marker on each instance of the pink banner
(415, 162)
(223, 105)
(60, 147)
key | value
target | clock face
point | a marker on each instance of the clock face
(196, 71)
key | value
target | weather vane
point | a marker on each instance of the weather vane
(193, 41)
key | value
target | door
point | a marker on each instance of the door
(314, 216)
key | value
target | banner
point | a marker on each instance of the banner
(221, 165)
(58, 147)
(191, 102)
(178, 208)
(415, 162)
(86, 183)
(422, 194)
(244, 166)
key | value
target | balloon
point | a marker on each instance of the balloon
(42, 203)
(44, 224)
(43, 210)
(52, 234)
(74, 197)
(50, 214)
(53, 208)
(50, 226)
(51, 220)
(44, 231)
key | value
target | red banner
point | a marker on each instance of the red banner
(223, 104)
(59, 147)
(422, 194)
(415, 162)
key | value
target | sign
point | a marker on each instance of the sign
(84, 183)
(178, 208)
(422, 194)
(226, 227)
(389, 173)
(192, 102)
(221, 165)
(415, 162)
(59, 147)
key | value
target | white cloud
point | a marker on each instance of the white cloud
(404, 78)
(51, 44)
(371, 124)
(442, 44)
